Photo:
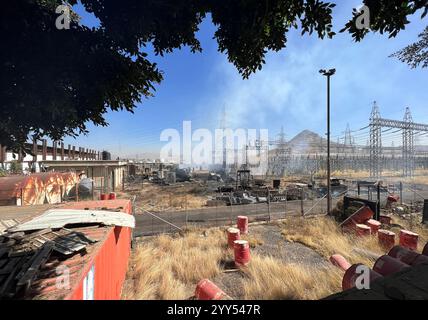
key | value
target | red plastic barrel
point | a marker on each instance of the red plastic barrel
(242, 223)
(387, 265)
(103, 196)
(425, 251)
(112, 196)
(393, 198)
(242, 253)
(385, 219)
(374, 225)
(386, 238)
(351, 276)
(409, 239)
(232, 235)
(340, 261)
(403, 254)
(362, 230)
(360, 216)
(206, 290)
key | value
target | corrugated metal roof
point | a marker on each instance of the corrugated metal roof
(49, 282)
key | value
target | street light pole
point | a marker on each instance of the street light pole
(328, 74)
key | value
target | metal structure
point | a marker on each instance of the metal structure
(407, 127)
(328, 74)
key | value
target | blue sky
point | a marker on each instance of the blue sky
(287, 92)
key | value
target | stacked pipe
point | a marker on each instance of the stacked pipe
(398, 258)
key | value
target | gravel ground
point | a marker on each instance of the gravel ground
(273, 245)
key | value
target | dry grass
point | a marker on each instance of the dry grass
(254, 240)
(324, 235)
(169, 267)
(173, 197)
(271, 279)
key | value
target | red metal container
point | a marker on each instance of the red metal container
(104, 196)
(420, 259)
(112, 196)
(358, 217)
(53, 183)
(362, 230)
(232, 235)
(97, 274)
(242, 253)
(242, 223)
(206, 290)
(425, 250)
(70, 179)
(386, 238)
(393, 198)
(385, 219)
(409, 239)
(403, 254)
(374, 225)
(21, 190)
(351, 276)
(387, 265)
(340, 262)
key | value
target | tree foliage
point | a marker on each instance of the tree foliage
(415, 54)
(53, 82)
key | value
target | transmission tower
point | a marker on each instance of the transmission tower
(349, 143)
(375, 142)
(408, 145)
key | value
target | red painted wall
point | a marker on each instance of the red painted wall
(111, 265)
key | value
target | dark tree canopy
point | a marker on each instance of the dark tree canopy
(53, 82)
(415, 54)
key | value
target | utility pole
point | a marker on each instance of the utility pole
(328, 74)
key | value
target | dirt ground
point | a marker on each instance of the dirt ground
(180, 196)
(267, 241)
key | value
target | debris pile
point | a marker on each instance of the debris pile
(56, 235)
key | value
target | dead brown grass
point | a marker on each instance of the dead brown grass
(323, 235)
(174, 197)
(169, 267)
(271, 279)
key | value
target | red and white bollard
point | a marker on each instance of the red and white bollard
(351, 275)
(386, 239)
(242, 253)
(340, 262)
(387, 265)
(232, 235)
(362, 230)
(409, 239)
(242, 223)
(374, 225)
(112, 196)
(206, 290)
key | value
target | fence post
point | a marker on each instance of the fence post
(77, 192)
(401, 192)
(60, 193)
(268, 203)
(93, 190)
(301, 202)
